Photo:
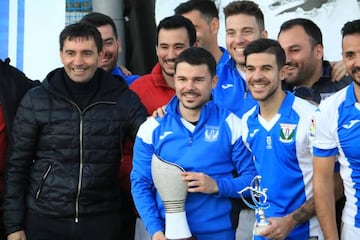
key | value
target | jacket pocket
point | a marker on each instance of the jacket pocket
(45, 175)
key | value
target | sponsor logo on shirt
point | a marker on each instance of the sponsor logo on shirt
(253, 133)
(165, 134)
(211, 133)
(226, 86)
(351, 124)
(287, 132)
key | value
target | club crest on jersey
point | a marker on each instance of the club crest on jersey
(287, 132)
(211, 133)
(312, 128)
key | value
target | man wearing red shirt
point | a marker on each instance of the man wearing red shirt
(174, 35)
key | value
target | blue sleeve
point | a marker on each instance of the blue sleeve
(245, 172)
(143, 189)
(325, 152)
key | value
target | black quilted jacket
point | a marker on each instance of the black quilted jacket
(64, 162)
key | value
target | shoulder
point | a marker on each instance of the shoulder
(146, 129)
(333, 102)
(249, 113)
(302, 105)
(140, 83)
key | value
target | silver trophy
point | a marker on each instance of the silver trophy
(173, 191)
(259, 198)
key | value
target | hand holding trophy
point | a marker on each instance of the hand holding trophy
(259, 198)
(172, 190)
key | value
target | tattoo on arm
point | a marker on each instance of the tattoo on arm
(305, 212)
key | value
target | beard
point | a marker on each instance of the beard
(355, 75)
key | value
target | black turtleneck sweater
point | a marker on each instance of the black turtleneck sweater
(82, 93)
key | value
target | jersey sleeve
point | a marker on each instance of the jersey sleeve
(242, 158)
(142, 186)
(324, 131)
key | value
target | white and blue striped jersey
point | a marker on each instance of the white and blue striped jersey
(337, 132)
(282, 155)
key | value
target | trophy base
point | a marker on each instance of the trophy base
(176, 226)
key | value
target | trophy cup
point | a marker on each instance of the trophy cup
(259, 198)
(172, 190)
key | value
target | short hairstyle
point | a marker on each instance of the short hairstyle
(248, 8)
(350, 28)
(264, 45)
(311, 29)
(197, 56)
(81, 30)
(207, 8)
(176, 22)
(98, 19)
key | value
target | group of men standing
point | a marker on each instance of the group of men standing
(72, 130)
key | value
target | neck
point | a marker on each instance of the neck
(169, 80)
(216, 52)
(270, 107)
(190, 115)
(240, 67)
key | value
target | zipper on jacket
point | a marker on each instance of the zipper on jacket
(80, 171)
(42, 181)
(81, 164)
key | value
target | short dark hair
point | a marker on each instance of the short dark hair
(176, 22)
(265, 45)
(207, 8)
(350, 28)
(98, 19)
(197, 56)
(311, 29)
(81, 30)
(248, 8)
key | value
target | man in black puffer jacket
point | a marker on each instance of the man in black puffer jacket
(61, 176)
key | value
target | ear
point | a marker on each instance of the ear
(283, 72)
(61, 56)
(101, 54)
(264, 34)
(319, 51)
(118, 44)
(214, 25)
(156, 50)
(214, 81)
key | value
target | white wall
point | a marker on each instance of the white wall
(330, 18)
(44, 21)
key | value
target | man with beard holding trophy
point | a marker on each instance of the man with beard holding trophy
(276, 130)
(197, 145)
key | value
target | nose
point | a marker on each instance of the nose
(288, 57)
(189, 84)
(172, 53)
(357, 60)
(257, 74)
(78, 59)
(239, 38)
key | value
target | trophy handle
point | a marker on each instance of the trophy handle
(259, 198)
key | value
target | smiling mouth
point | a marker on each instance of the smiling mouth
(239, 50)
(258, 85)
(78, 70)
